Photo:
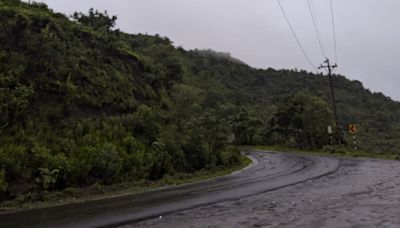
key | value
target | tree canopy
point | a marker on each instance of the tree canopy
(302, 121)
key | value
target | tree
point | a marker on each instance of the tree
(301, 121)
(96, 19)
(245, 127)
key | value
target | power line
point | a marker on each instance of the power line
(294, 34)
(334, 31)
(314, 20)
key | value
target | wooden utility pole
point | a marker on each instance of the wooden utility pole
(330, 68)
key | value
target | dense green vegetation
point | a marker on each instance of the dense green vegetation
(83, 103)
(300, 120)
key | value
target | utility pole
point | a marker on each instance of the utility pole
(330, 68)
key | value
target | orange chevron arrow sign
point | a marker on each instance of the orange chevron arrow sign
(353, 129)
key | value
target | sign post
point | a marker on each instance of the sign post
(329, 128)
(353, 129)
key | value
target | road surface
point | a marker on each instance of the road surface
(278, 189)
(363, 193)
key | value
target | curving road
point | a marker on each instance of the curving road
(269, 171)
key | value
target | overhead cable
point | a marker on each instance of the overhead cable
(333, 30)
(294, 34)
(314, 20)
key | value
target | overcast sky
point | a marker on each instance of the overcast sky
(368, 31)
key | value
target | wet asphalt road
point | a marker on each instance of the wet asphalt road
(269, 171)
(362, 193)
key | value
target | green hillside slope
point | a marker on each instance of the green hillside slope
(377, 116)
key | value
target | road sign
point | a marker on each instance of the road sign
(353, 129)
(329, 128)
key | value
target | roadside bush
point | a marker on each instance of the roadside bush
(81, 165)
(230, 156)
(51, 172)
(195, 155)
(107, 163)
(3, 182)
(173, 140)
(131, 144)
(161, 161)
(40, 158)
(62, 164)
(135, 165)
(14, 160)
(47, 179)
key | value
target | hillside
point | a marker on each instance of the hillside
(263, 90)
(83, 103)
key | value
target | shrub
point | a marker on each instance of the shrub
(107, 163)
(61, 163)
(47, 179)
(134, 165)
(162, 161)
(40, 157)
(3, 182)
(81, 165)
(195, 155)
(14, 160)
(230, 156)
(50, 171)
(131, 144)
